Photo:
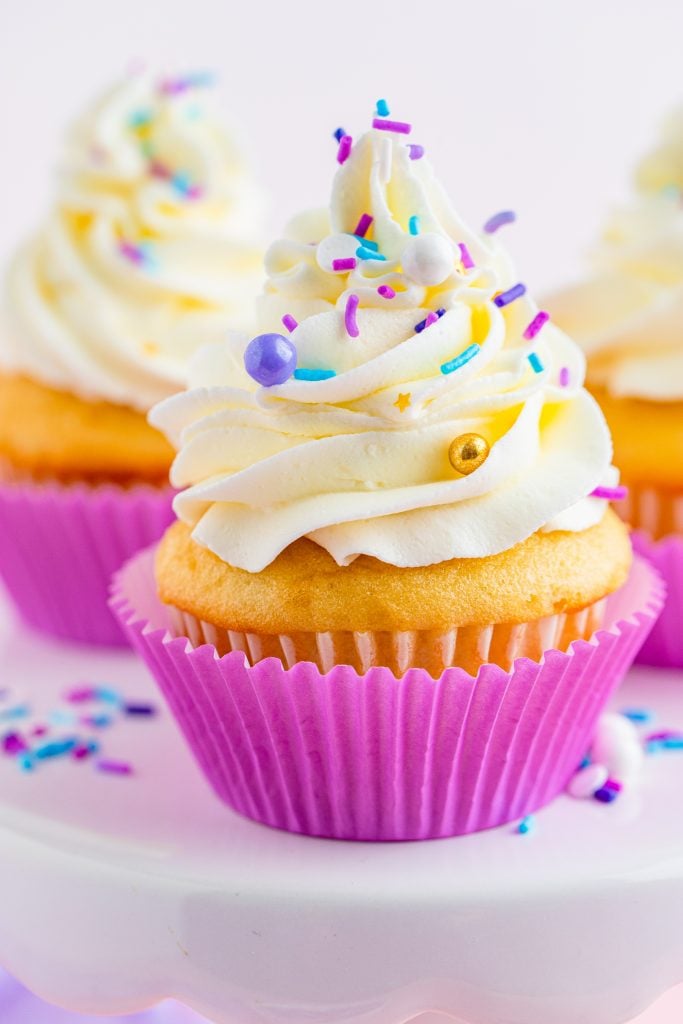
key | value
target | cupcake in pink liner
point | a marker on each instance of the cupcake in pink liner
(395, 600)
(146, 254)
(628, 317)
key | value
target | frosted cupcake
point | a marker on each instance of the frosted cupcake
(393, 534)
(147, 253)
(628, 317)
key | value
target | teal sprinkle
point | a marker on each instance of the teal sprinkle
(526, 825)
(535, 362)
(26, 761)
(672, 743)
(382, 108)
(367, 243)
(637, 715)
(181, 183)
(363, 253)
(414, 225)
(304, 374)
(107, 695)
(55, 748)
(464, 357)
(61, 717)
(18, 711)
(139, 118)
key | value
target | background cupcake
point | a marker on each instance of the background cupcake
(149, 251)
(628, 316)
(406, 492)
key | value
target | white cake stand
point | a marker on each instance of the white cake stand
(116, 892)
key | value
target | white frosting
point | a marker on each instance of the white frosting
(628, 316)
(87, 318)
(345, 461)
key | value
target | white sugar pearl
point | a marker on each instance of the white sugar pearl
(617, 746)
(587, 780)
(428, 259)
(335, 247)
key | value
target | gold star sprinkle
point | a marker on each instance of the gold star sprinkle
(402, 402)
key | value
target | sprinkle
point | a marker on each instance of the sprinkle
(638, 715)
(367, 243)
(535, 362)
(83, 750)
(18, 711)
(344, 264)
(363, 253)
(401, 127)
(587, 781)
(430, 319)
(54, 748)
(663, 735)
(386, 291)
(182, 184)
(140, 709)
(350, 316)
(139, 118)
(382, 108)
(196, 80)
(498, 220)
(159, 170)
(564, 377)
(526, 825)
(108, 695)
(605, 795)
(416, 152)
(454, 364)
(536, 324)
(99, 721)
(339, 134)
(505, 298)
(402, 402)
(132, 252)
(465, 257)
(610, 493)
(289, 322)
(363, 225)
(614, 784)
(80, 694)
(26, 761)
(13, 743)
(441, 312)
(61, 717)
(414, 225)
(304, 374)
(344, 150)
(115, 767)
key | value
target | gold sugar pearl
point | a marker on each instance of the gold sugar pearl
(468, 452)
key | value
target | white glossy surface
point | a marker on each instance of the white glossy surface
(116, 892)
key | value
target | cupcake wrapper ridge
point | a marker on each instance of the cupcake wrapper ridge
(376, 757)
(663, 648)
(59, 546)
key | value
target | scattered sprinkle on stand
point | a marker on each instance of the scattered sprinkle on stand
(114, 767)
(641, 716)
(526, 825)
(535, 362)
(465, 258)
(363, 225)
(505, 298)
(386, 291)
(309, 374)
(536, 325)
(610, 493)
(400, 127)
(344, 151)
(289, 322)
(347, 263)
(350, 322)
(454, 364)
(499, 220)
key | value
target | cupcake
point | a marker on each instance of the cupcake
(395, 599)
(628, 317)
(147, 253)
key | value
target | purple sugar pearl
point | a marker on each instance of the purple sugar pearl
(270, 359)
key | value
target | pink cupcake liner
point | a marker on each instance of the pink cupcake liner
(59, 546)
(376, 757)
(664, 646)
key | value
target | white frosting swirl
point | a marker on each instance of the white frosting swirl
(359, 462)
(148, 252)
(628, 316)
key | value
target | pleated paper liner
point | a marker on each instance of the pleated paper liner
(60, 544)
(376, 756)
(657, 518)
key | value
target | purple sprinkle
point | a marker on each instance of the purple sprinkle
(97, 721)
(344, 150)
(441, 312)
(350, 316)
(613, 784)
(363, 225)
(505, 298)
(665, 734)
(386, 291)
(115, 767)
(81, 694)
(610, 493)
(498, 220)
(564, 377)
(13, 743)
(131, 252)
(536, 324)
(80, 752)
(416, 152)
(289, 322)
(384, 125)
(605, 795)
(140, 709)
(465, 257)
(348, 263)
(39, 730)
(339, 134)
(430, 319)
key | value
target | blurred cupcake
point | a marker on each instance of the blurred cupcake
(147, 253)
(390, 549)
(628, 316)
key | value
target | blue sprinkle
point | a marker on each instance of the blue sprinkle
(526, 825)
(367, 243)
(585, 762)
(140, 709)
(140, 118)
(201, 79)
(338, 134)
(637, 715)
(55, 748)
(61, 717)
(181, 182)
(505, 298)
(605, 795)
(109, 696)
(535, 363)
(99, 721)
(26, 761)
(414, 225)
(18, 711)
(363, 253)
(382, 108)
(441, 312)
(672, 743)
(303, 374)
(464, 357)
(653, 747)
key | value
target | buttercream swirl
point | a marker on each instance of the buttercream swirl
(149, 251)
(359, 462)
(628, 314)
